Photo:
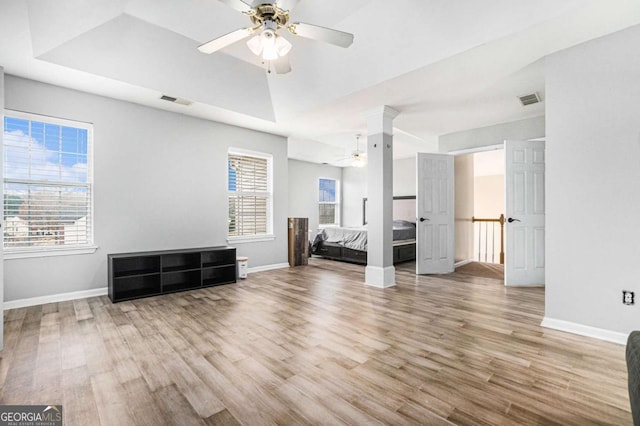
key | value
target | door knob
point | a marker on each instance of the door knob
(422, 219)
(510, 220)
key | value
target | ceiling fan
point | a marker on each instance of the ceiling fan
(267, 18)
(356, 159)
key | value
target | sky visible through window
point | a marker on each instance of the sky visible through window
(233, 181)
(327, 191)
(44, 151)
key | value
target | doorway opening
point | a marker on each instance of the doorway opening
(480, 209)
(445, 211)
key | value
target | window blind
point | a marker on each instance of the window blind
(249, 195)
(47, 183)
(327, 214)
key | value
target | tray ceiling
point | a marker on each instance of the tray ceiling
(445, 66)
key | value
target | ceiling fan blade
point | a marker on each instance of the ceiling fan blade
(282, 65)
(287, 5)
(314, 32)
(226, 40)
(239, 5)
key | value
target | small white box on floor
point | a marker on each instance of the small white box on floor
(243, 266)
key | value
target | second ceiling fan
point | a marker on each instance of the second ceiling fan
(267, 18)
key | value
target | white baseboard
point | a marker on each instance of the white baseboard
(585, 330)
(63, 297)
(267, 267)
(376, 276)
(462, 263)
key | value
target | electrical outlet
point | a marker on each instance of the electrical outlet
(628, 297)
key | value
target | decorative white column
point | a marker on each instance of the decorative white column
(380, 271)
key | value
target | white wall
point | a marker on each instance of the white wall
(303, 189)
(593, 175)
(404, 177)
(355, 188)
(464, 193)
(488, 196)
(530, 128)
(160, 183)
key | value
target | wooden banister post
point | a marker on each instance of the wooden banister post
(502, 239)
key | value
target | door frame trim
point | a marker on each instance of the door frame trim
(477, 149)
(485, 148)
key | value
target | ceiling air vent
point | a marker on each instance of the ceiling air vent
(531, 99)
(179, 101)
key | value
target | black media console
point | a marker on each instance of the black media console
(135, 275)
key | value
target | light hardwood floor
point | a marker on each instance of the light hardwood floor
(313, 345)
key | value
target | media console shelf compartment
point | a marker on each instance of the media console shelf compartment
(135, 275)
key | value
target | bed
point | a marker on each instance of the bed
(350, 244)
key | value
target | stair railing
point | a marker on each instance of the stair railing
(486, 231)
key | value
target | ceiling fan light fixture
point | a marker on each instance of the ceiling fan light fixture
(255, 45)
(358, 158)
(269, 50)
(358, 162)
(283, 46)
(270, 45)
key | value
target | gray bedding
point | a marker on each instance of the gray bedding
(403, 230)
(356, 238)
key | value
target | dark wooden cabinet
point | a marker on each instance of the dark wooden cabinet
(298, 241)
(135, 275)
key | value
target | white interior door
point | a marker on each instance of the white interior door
(435, 221)
(525, 206)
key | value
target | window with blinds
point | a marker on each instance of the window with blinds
(249, 195)
(47, 182)
(328, 202)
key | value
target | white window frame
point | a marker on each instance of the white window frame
(269, 236)
(337, 216)
(71, 249)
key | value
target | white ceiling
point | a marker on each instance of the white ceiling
(446, 66)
